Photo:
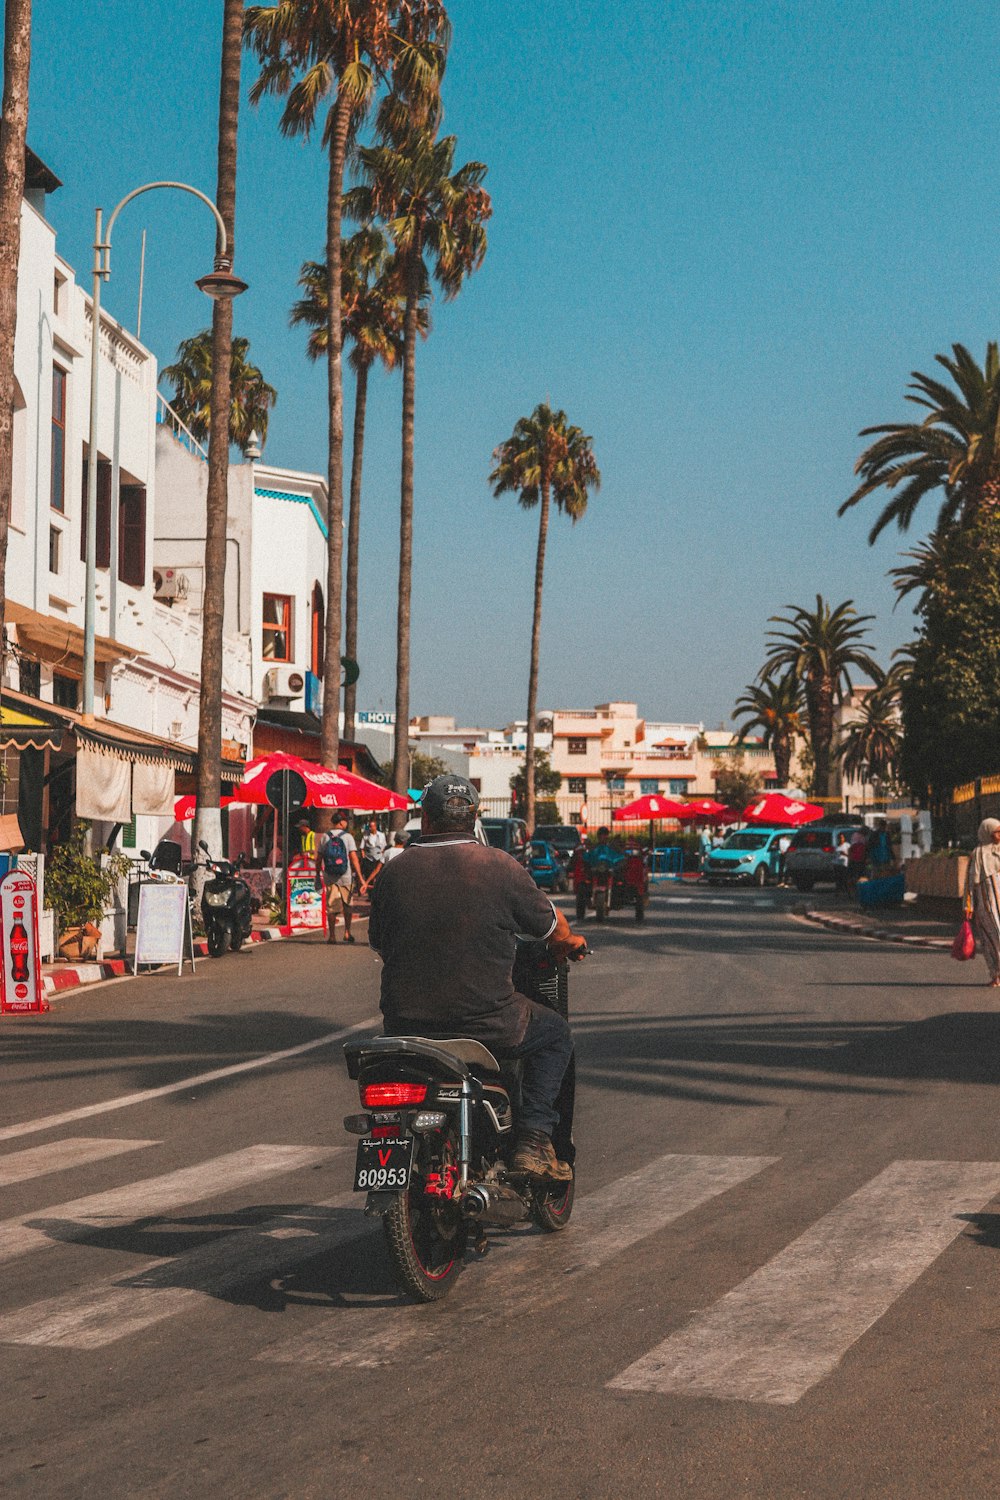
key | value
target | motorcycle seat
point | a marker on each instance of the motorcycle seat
(467, 1050)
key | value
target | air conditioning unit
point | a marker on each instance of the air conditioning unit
(167, 584)
(284, 683)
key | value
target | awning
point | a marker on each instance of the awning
(21, 731)
(60, 641)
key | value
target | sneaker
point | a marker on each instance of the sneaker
(535, 1156)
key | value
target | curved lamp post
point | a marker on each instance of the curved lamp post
(220, 284)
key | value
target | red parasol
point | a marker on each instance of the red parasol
(184, 807)
(777, 809)
(324, 788)
(707, 810)
(649, 809)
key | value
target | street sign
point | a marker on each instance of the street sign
(163, 930)
(20, 964)
(306, 904)
(274, 791)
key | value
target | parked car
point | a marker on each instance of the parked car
(752, 854)
(811, 856)
(509, 834)
(545, 867)
(564, 838)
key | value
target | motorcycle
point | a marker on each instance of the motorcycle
(607, 885)
(437, 1136)
(226, 906)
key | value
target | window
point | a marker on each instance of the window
(577, 786)
(678, 788)
(277, 641)
(103, 554)
(318, 630)
(616, 783)
(29, 677)
(132, 535)
(57, 494)
(648, 788)
(576, 747)
(65, 691)
(55, 549)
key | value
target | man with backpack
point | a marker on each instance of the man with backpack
(337, 864)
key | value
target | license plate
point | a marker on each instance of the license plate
(383, 1166)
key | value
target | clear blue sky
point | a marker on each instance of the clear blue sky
(723, 236)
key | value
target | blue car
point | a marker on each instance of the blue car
(752, 854)
(545, 867)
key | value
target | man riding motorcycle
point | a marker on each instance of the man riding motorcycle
(445, 919)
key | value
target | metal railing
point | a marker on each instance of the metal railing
(167, 417)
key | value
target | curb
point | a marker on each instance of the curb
(878, 934)
(62, 979)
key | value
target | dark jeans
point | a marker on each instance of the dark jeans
(545, 1051)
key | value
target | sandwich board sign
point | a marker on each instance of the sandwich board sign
(306, 904)
(20, 965)
(163, 930)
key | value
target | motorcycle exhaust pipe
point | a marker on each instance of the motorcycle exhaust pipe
(501, 1205)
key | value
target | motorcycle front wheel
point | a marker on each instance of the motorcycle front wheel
(218, 939)
(236, 940)
(426, 1253)
(600, 905)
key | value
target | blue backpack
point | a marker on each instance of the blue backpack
(335, 861)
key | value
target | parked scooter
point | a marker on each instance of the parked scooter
(226, 905)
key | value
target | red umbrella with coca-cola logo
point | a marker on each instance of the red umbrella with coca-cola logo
(707, 810)
(779, 811)
(324, 788)
(649, 809)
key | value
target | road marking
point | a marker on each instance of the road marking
(529, 1274)
(197, 1080)
(74, 1151)
(153, 1196)
(94, 1317)
(788, 1325)
(765, 903)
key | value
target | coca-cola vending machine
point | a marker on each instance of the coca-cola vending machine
(21, 981)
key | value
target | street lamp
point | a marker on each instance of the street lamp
(221, 285)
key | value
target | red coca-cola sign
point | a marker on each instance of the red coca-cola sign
(20, 967)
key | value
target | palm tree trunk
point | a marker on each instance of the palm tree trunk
(401, 747)
(821, 726)
(209, 818)
(353, 545)
(13, 134)
(536, 637)
(782, 749)
(330, 736)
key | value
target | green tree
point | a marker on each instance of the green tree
(955, 448)
(775, 706)
(437, 215)
(372, 305)
(544, 459)
(332, 55)
(423, 769)
(548, 782)
(821, 646)
(251, 398)
(734, 784)
(872, 744)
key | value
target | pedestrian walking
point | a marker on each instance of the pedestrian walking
(395, 848)
(880, 849)
(841, 864)
(337, 864)
(857, 858)
(982, 893)
(373, 847)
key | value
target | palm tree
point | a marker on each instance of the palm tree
(372, 320)
(926, 570)
(432, 212)
(871, 746)
(544, 459)
(250, 397)
(821, 646)
(13, 141)
(955, 448)
(775, 706)
(338, 51)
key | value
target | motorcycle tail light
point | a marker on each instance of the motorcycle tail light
(385, 1095)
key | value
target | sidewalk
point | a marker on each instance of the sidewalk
(918, 924)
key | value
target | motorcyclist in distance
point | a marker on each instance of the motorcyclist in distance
(445, 919)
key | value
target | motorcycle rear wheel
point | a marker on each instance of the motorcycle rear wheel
(553, 1206)
(581, 906)
(600, 905)
(218, 939)
(425, 1262)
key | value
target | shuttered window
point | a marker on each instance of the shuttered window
(103, 554)
(132, 535)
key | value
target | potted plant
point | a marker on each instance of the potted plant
(79, 892)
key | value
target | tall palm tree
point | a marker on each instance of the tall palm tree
(13, 140)
(315, 53)
(955, 448)
(217, 356)
(926, 570)
(250, 396)
(821, 646)
(544, 459)
(372, 320)
(775, 706)
(434, 214)
(875, 740)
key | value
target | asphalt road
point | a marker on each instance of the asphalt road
(781, 1278)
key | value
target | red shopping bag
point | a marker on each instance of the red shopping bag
(964, 946)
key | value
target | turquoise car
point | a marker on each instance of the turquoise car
(752, 854)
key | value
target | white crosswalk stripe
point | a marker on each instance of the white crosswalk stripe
(153, 1196)
(75, 1151)
(537, 1272)
(790, 1324)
